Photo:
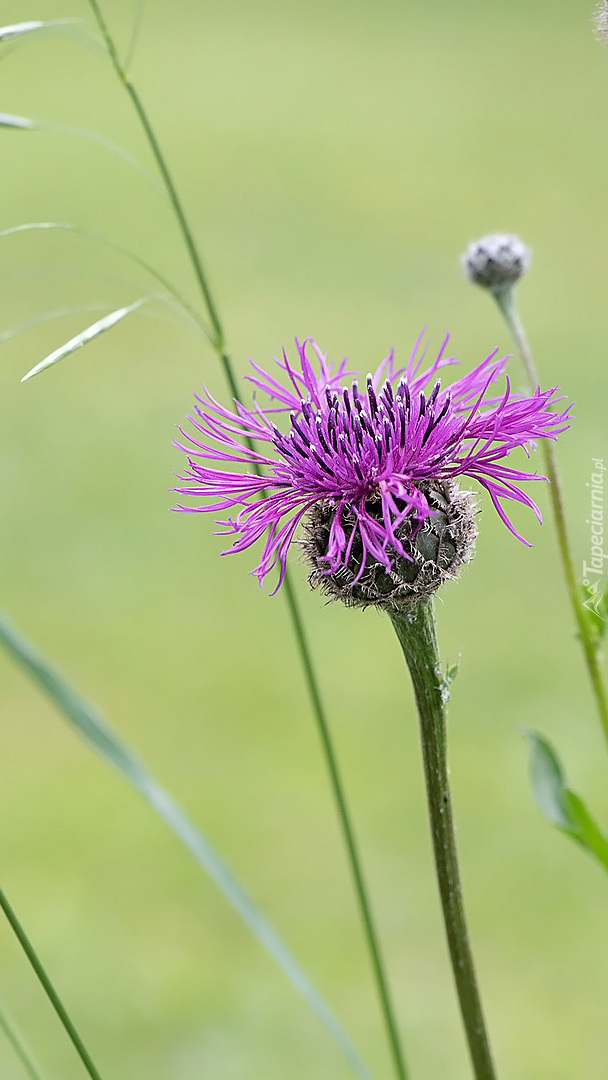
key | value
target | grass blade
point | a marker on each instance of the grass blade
(17, 1042)
(22, 122)
(94, 729)
(137, 21)
(86, 335)
(48, 987)
(8, 33)
(27, 123)
(48, 316)
(79, 309)
(132, 256)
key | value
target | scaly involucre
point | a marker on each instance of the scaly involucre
(362, 452)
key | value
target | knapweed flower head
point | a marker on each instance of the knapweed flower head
(372, 469)
(496, 261)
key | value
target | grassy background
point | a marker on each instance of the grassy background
(335, 159)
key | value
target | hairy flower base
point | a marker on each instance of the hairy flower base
(436, 551)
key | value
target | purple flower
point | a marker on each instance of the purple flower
(366, 454)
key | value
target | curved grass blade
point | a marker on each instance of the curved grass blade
(561, 806)
(137, 21)
(86, 335)
(76, 309)
(77, 230)
(8, 33)
(15, 1038)
(94, 729)
(22, 122)
(47, 316)
(27, 123)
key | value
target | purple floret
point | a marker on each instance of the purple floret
(354, 448)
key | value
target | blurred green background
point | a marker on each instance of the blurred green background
(335, 158)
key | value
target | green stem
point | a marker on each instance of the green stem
(48, 987)
(16, 1040)
(218, 342)
(416, 632)
(506, 302)
(163, 168)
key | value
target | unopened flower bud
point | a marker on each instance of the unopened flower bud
(496, 261)
(436, 549)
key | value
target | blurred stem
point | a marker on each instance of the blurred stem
(219, 344)
(16, 1040)
(505, 298)
(416, 632)
(349, 840)
(48, 987)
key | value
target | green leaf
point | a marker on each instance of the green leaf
(446, 678)
(561, 806)
(548, 781)
(587, 831)
(451, 672)
(86, 335)
(95, 730)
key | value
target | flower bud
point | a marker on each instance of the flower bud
(437, 550)
(496, 261)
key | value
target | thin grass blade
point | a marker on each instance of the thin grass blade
(94, 729)
(85, 336)
(8, 33)
(47, 985)
(15, 1038)
(48, 316)
(22, 122)
(135, 32)
(27, 123)
(132, 256)
(79, 309)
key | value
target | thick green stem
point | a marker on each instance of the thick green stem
(18, 1044)
(505, 299)
(416, 632)
(48, 987)
(218, 342)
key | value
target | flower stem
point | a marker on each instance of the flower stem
(416, 632)
(16, 1040)
(506, 302)
(219, 344)
(48, 987)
